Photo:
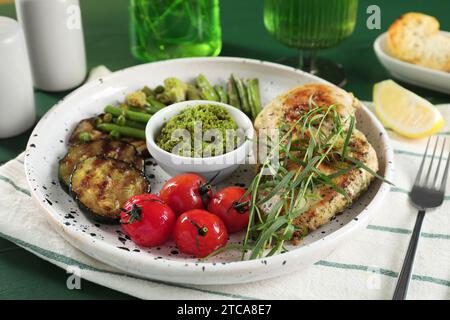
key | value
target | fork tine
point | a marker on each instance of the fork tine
(444, 178)
(431, 162)
(439, 164)
(419, 174)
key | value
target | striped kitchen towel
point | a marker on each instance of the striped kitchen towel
(364, 268)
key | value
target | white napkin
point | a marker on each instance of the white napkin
(365, 268)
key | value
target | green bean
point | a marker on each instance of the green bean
(254, 97)
(155, 104)
(126, 107)
(206, 89)
(134, 124)
(243, 96)
(148, 92)
(131, 115)
(233, 95)
(221, 93)
(151, 110)
(128, 123)
(124, 131)
(138, 110)
(120, 120)
(107, 117)
(98, 120)
(85, 137)
(114, 134)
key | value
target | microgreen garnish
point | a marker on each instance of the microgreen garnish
(347, 138)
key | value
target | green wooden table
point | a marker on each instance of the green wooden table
(22, 275)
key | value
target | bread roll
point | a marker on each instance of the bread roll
(415, 38)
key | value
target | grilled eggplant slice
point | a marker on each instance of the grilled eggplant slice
(115, 149)
(101, 186)
(86, 126)
(140, 145)
(89, 126)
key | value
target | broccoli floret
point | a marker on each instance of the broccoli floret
(175, 89)
(136, 99)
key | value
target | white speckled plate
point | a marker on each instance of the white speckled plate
(47, 145)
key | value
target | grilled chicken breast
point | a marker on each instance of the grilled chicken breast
(292, 105)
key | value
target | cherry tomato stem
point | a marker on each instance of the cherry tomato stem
(147, 220)
(186, 192)
(232, 205)
(199, 233)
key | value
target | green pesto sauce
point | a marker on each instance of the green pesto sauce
(210, 117)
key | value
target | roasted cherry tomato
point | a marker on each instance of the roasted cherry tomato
(186, 192)
(143, 197)
(147, 220)
(229, 205)
(199, 233)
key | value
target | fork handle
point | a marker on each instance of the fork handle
(405, 275)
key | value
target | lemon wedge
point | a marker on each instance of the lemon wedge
(404, 111)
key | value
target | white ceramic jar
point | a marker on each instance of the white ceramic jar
(17, 110)
(213, 169)
(54, 36)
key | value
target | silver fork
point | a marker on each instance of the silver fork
(425, 194)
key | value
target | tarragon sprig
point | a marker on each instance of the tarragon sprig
(316, 136)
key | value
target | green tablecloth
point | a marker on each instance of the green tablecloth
(23, 275)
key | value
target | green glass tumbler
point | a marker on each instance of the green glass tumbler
(167, 29)
(311, 25)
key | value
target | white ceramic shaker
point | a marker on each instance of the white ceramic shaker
(54, 36)
(17, 110)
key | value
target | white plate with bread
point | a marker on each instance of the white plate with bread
(414, 50)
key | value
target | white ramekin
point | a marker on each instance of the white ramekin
(217, 167)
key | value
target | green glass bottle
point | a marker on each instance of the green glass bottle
(166, 29)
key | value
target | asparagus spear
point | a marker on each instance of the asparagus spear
(154, 104)
(233, 95)
(131, 115)
(221, 93)
(159, 89)
(206, 89)
(148, 92)
(254, 97)
(193, 93)
(124, 131)
(243, 96)
(164, 98)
